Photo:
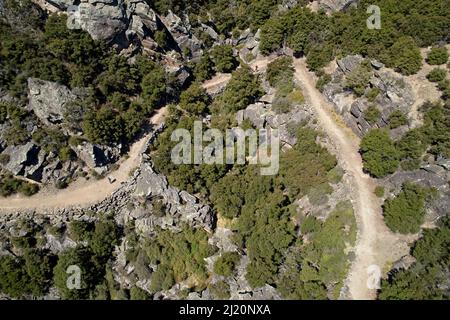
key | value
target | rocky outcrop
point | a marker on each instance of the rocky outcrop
(249, 44)
(261, 116)
(180, 29)
(20, 157)
(180, 206)
(102, 19)
(95, 156)
(394, 93)
(48, 100)
(430, 176)
(336, 5)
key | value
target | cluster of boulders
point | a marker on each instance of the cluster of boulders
(394, 93)
(49, 102)
(261, 116)
(433, 174)
(180, 206)
(130, 23)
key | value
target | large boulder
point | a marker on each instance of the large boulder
(91, 154)
(20, 157)
(48, 100)
(102, 19)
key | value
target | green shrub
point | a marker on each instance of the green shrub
(438, 56)
(323, 81)
(405, 212)
(404, 56)
(220, 290)
(80, 230)
(310, 225)
(372, 114)
(372, 94)
(279, 70)
(437, 75)
(379, 191)
(425, 279)
(358, 79)
(397, 119)
(137, 293)
(226, 263)
(380, 157)
(223, 58)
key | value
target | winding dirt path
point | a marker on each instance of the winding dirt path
(86, 192)
(376, 245)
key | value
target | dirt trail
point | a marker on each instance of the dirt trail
(86, 192)
(376, 245)
(218, 80)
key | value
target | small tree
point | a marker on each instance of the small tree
(372, 114)
(397, 119)
(437, 56)
(437, 75)
(405, 212)
(226, 264)
(223, 58)
(379, 153)
(404, 55)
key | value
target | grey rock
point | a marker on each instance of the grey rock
(91, 154)
(143, 18)
(349, 63)
(103, 20)
(188, 198)
(256, 113)
(48, 100)
(51, 172)
(210, 31)
(61, 4)
(376, 64)
(336, 5)
(445, 163)
(403, 264)
(20, 157)
(395, 93)
(34, 172)
(180, 29)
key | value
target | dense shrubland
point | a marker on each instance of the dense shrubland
(405, 28)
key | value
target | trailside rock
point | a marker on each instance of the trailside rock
(48, 100)
(91, 154)
(20, 157)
